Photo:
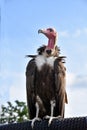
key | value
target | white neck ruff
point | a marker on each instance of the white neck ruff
(41, 60)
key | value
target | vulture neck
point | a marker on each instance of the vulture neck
(51, 43)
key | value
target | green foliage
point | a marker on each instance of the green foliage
(14, 113)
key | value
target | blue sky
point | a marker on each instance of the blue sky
(20, 21)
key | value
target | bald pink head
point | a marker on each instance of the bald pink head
(51, 34)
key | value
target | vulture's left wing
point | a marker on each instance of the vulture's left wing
(60, 81)
(30, 89)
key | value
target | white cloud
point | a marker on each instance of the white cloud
(17, 90)
(81, 81)
(76, 80)
(13, 90)
(17, 93)
(77, 105)
(70, 79)
(3, 93)
(63, 34)
(77, 94)
(85, 30)
(77, 33)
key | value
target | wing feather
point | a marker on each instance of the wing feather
(60, 82)
(30, 89)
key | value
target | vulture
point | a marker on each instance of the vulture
(46, 80)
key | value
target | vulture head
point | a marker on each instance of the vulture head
(51, 49)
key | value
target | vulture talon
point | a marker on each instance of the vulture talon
(52, 118)
(33, 121)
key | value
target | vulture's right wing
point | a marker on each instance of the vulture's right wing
(30, 89)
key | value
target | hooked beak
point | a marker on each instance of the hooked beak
(40, 31)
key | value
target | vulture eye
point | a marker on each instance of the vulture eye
(50, 29)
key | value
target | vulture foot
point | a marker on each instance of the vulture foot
(33, 121)
(51, 118)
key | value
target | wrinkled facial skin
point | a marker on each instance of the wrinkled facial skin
(51, 34)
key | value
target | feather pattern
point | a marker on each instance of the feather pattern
(47, 84)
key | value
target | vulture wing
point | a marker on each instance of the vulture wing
(30, 77)
(61, 95)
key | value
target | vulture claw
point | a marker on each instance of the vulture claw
(52, 118)
(33, 121)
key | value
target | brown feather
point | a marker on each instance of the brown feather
(48, 84)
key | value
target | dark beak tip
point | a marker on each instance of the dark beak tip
(39, 31)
